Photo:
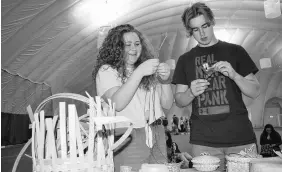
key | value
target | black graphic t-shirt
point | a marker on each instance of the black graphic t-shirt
(219, 116)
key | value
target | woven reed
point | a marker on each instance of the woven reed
(65, 143)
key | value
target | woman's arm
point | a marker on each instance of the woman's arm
(122, 95)
(164, 89)
(166, 95)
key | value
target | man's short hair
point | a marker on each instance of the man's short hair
(195, 10)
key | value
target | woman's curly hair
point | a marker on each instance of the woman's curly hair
(112, 53)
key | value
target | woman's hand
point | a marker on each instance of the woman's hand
(225, 68)
(148, 67)
(163, 71)
(198, 86)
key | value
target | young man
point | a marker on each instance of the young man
(212, 77)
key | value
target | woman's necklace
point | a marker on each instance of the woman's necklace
(129, 71)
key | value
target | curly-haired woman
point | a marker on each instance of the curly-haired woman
(128, 73)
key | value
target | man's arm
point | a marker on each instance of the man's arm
(249, 85)
(183, 95)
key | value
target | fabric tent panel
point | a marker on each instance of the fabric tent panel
(18, 93)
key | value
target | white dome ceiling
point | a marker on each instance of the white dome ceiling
(45, 42)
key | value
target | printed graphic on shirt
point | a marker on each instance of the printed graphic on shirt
(214, 99)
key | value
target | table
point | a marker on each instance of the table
(191, 170)
(273, 164)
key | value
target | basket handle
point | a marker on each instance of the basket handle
(122, 138)
(62, 95)
(85, 100)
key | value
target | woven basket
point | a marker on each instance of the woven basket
(174, 167)
(63, 143)
(206, 167)
(238, 164)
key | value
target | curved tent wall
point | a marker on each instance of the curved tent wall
(48, 42)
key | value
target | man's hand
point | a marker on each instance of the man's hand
(225, 68)
(198, 86)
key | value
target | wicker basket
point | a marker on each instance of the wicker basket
(206, 167)
(238, 164)
(174, 167)
(60, 143)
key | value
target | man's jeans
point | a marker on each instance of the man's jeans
(220, 152)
